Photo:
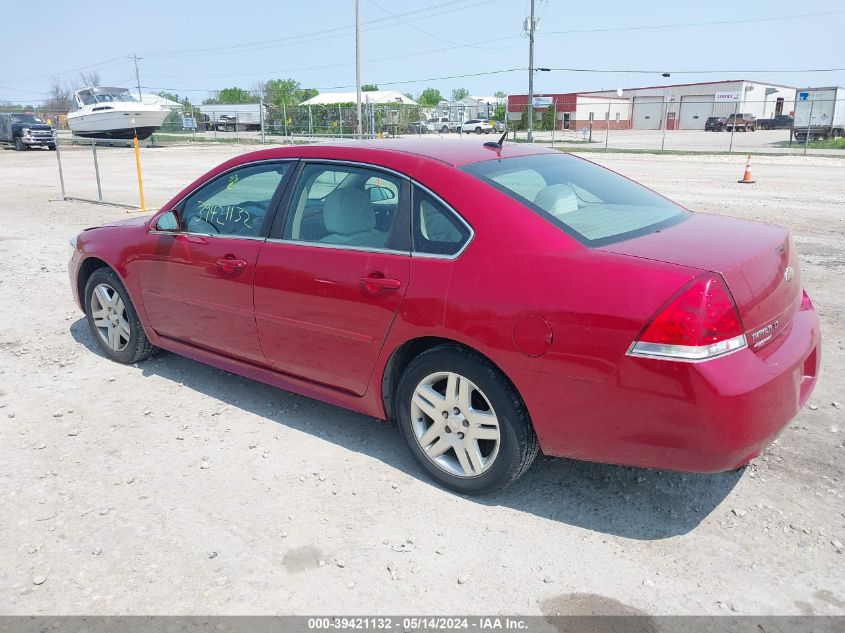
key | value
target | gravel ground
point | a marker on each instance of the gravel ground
(173, 488)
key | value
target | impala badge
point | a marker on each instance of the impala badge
(788, 274)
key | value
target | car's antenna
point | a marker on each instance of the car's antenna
(497, 144)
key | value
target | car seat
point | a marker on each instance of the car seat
(350, 220)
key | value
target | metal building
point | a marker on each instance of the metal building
(677, 106)
(687, 106)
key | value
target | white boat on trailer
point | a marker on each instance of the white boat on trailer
(113, 113)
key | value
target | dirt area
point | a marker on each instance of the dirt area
(173, 488)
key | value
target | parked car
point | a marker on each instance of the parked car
(715, 124)
(442, 124)
(493, 300)
(741, 122)
(478, 126)
(780, 122)
(23, 131)
(418, 127)
(498, 126)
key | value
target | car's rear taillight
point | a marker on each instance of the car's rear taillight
(700, 322)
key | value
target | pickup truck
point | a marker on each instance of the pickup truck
(780, 122)
(745, 122)
(25, 131)
(442, 124)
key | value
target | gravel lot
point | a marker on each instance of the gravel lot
(106, 506)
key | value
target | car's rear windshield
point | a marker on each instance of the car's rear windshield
(590, 203)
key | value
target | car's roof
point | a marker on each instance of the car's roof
(455, 152)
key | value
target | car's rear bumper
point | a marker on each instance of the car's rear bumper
(703, 417)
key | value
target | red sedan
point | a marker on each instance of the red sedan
(493, 300)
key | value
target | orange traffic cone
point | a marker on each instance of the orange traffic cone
(746, 177)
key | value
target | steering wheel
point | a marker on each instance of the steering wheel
(199, 219)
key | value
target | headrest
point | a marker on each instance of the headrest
(557, 199)
(348, 211)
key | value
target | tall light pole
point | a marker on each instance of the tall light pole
(665, 115)
(531, 26)
(358, 63)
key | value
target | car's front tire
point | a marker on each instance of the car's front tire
(113, 320)
(464, 421)
(19, 146)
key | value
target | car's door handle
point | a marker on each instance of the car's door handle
(230, 264)
(375, 284)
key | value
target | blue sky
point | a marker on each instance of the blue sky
(191, 48)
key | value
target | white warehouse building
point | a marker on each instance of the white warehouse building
(688, 106)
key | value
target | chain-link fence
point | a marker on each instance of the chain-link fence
(687, 125)
(254, 123)
(272, 124)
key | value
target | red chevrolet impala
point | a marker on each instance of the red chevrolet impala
(493, 299)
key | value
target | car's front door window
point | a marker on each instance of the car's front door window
(234, 204)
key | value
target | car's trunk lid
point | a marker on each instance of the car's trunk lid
(758, 261)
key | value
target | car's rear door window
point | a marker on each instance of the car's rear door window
(343, 205)
(590, 203)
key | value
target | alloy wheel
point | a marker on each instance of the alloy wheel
(455, 424)
(110, 317)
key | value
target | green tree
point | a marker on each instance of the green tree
(168, 95)
(499, 94)
(369, 88)
(549, 118)
(500, 113)
(233, 95)
(523, 120)
(430, 97)
(286, 92)
(309, 93)
(459, 93)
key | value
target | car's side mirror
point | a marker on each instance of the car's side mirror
(169, 222)
(380, 194)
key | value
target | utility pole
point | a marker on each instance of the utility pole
(358, 63)
(531, 25)
(135, 58)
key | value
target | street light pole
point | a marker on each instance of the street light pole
(135, 58)
(531, 75)
(665, 115)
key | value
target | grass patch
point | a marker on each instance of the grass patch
(831, 143)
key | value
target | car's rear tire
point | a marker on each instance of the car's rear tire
(464, 421)
(478, 130)
(444, 129)
(113, 320)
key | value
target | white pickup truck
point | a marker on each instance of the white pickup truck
(442, 124)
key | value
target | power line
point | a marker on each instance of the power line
(423, 31)
(696, 72)
(522, 69)
(374, 59)
(307, 38)
(380, 83)
(693, 24)
(31, 78)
